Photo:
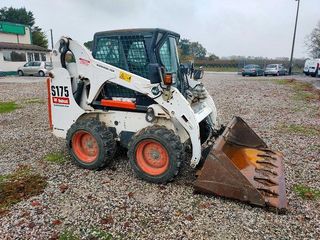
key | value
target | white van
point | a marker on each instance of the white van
(311, 67)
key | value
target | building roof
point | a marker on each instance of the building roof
(22, 46)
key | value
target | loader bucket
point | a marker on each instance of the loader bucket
(241, 166)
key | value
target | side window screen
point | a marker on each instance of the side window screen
(137, 58)
(108, 51)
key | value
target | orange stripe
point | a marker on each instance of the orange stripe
(49, 102)
(118, 104)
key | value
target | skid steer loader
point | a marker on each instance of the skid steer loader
(131, 90)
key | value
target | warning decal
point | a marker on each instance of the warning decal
(125, 76)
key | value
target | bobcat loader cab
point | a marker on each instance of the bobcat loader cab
(133, 90)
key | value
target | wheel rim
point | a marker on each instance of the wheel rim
(85, 146)
(152, 157)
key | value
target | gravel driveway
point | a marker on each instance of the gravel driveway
(79, 202)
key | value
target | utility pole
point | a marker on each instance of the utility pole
(294, 37)
(51, 39)
(51, 35)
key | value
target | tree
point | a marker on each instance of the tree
(22, 16)
(212, 56)
(184, 45)
(17, 15)
(197, 50)
(313, 42)
(189, 49)
(39, 38)
(88, 44)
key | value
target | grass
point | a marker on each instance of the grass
(19, 185)
(34, 101)
(68, 235)
(101, 235)
(94, 234)
(302, 91)
(221, 69)
(315, 147)
(6, 107)
(301, 129)
(55, 157)
(306, 192)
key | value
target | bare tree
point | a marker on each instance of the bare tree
(313, 42)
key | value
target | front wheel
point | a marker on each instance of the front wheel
(41, 74)
(91, 144)
(20, 73)
(155, 154)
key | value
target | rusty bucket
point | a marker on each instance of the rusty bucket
(241, 166)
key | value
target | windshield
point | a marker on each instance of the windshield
(272, 66)
(249, 66)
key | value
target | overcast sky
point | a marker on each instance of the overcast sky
(223, 27)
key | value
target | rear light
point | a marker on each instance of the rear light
(317, 65)
(167, 80)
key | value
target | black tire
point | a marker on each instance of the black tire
(41, 74)
(243, 75)
(168, 141)
(105, 143)
(20, 73)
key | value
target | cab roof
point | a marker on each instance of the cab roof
(135, 31)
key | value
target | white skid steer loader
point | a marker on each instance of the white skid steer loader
(132, 91)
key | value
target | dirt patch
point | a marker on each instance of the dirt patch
(19, 185)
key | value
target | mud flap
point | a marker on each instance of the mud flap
(241, 166)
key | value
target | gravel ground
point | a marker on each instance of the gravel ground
(114, 201)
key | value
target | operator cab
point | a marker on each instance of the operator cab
(139, 51)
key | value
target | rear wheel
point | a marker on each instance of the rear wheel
(91, 144)
(155, 154)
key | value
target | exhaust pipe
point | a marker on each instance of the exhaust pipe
(241, 166)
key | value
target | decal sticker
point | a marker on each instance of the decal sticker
(60, 95)
(125, 76)
(84, 61)
(61, 100)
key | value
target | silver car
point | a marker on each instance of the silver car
(275, 70)
(37, 68)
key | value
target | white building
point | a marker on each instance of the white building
(16, 48)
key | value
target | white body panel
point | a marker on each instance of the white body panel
(311, 66)
(176, 113)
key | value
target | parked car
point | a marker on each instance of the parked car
(38, 68)
(275, 70)
(311, 67)
(252, 70)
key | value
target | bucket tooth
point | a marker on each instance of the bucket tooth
(241, 166)
(266, 171)
(265, 181)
